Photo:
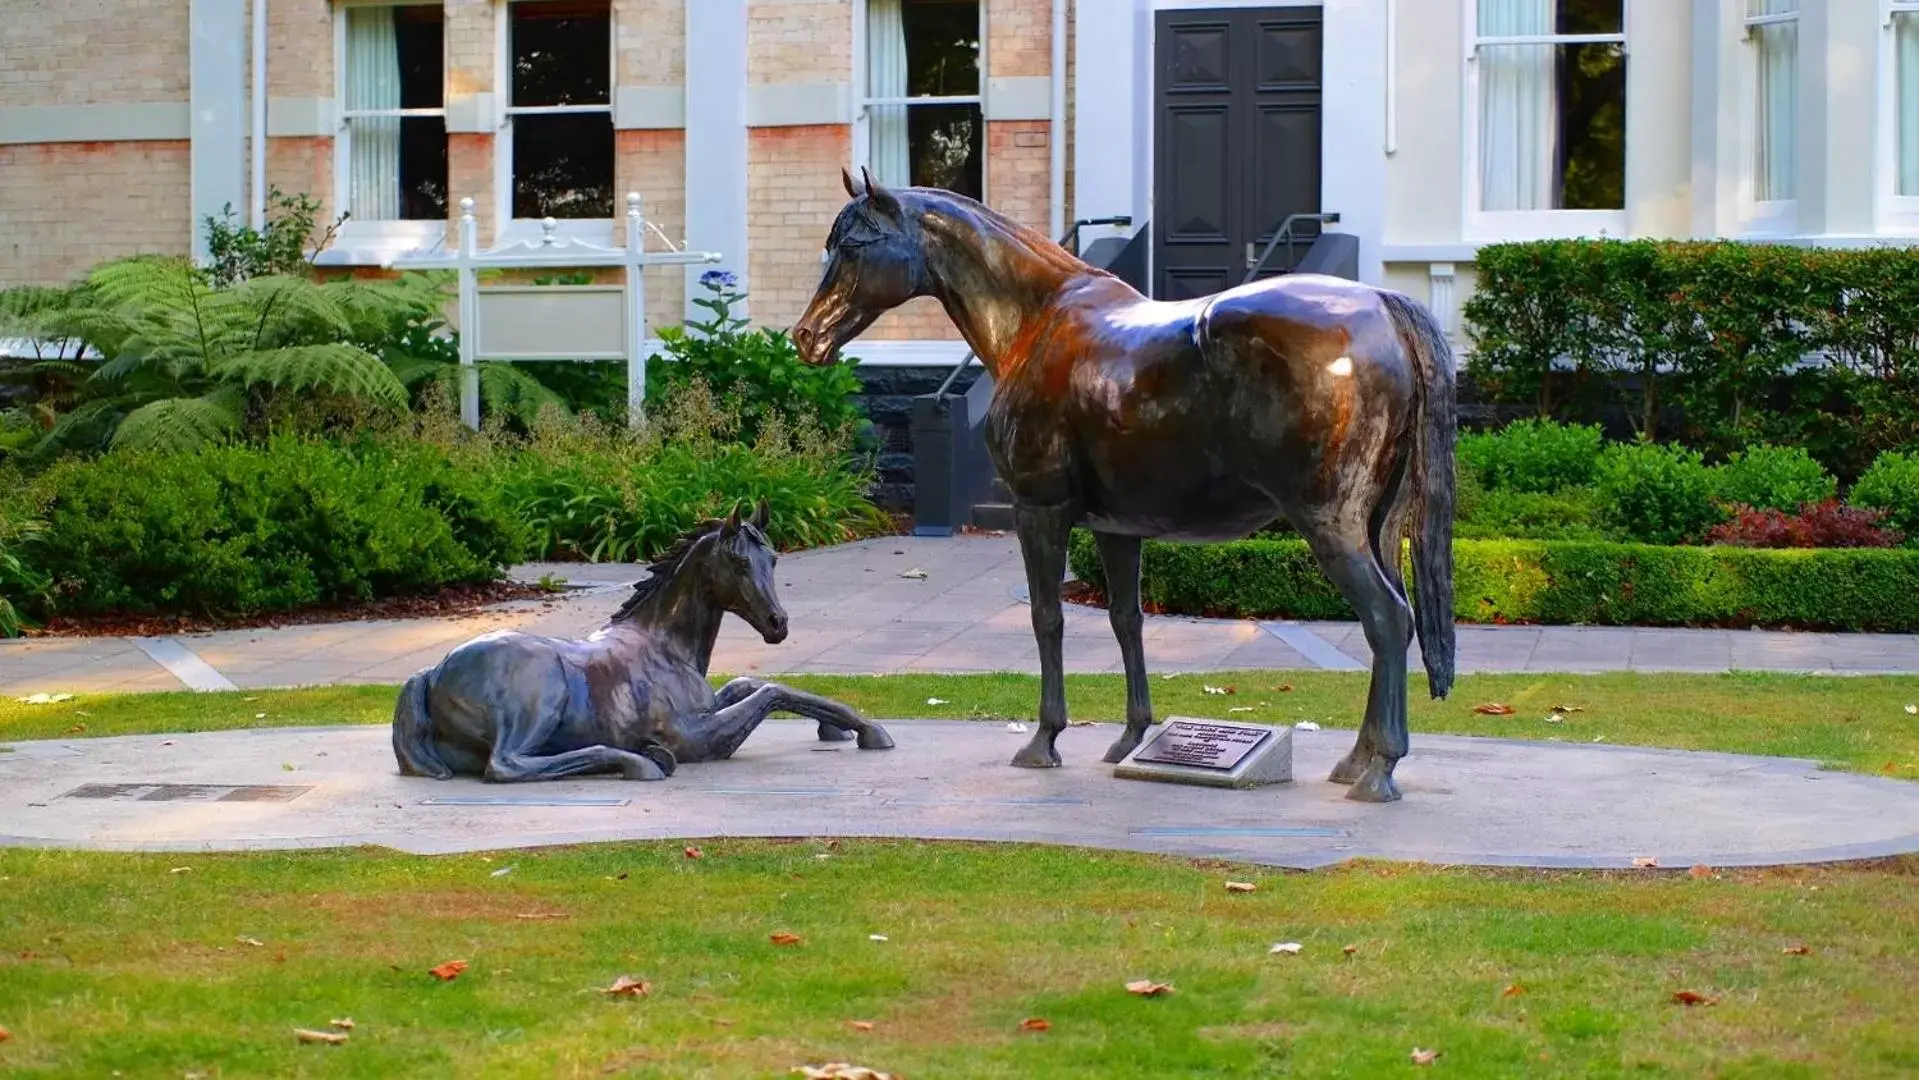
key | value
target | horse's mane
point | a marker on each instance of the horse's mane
(661, 570)
(985, 218)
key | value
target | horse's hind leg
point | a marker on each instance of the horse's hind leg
(718, 734)
(1387, 622)
(511, 768)
(1120, 557)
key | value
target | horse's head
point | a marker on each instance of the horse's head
(739, 574)
(875, 263)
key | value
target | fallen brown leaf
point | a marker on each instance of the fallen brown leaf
(1797, 950)
(1699, 870)
(1349, 949)
(1147, 988)
(786, 937)
(1240, 886)
(5, 1034)
(1284, 688)
(1692, 997)
(343, 1025)
(694, 853)
(1513, 990)
(1646, 862)
(1035, 1023)
(1494, 708)
(448, 971)
(860, 1025)
(330, 1038)
(628, 986)
(1424, 1057)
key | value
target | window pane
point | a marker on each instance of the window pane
(563, 166)
(396, 168)
(422, 42)
(948, 143)
(1592, 17)
(1516, 18)
(562, 54)
(1552, 127)
(1906, 61)
(1777, 49)
(922, 48)
(1771, 7)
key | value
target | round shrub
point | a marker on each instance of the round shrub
(1892, 485)
(1774, 478)
(1654, 493)
(1532, 455)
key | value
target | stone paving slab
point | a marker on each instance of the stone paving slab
(853, 612)
(1468, 801)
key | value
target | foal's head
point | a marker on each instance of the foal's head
(876, 261)
(731, 563)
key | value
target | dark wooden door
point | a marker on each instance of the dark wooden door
(1236, 141)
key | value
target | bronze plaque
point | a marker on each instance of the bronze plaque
(1202, 745)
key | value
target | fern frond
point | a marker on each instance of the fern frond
(178, 424)
(375, 308)
(290, 309)
(340, 368)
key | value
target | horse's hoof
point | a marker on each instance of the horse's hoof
(1375, 785)
(662, 760)
(1348, 769)
(829, 733)
(875, 738)
(1121, 747)
(1038, 754)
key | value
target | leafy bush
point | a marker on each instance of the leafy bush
(757, 373)
(1568, 514)
(589, 491)
(1773, 478)
(1817, 525)
(21, 586)
(1525, 581)
(232, 530)
(1532, 455)
(1892, 485)
(1654, 493)
(1706, 343)
(237, 251)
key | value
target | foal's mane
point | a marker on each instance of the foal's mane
(975, 215)
(661, 570)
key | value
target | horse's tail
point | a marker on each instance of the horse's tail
(413, 732)
(1432, 474)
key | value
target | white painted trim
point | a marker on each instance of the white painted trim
(1463, 252)
(649, 108)
(1108, 149)
(257, 128)
(378, 243)
(1022, 97)
(798, 104)
(133, 122)
(1893, 213)
(217, 99)
(477, 113)
(716, 139)
(907, 353)
(1500, 225)
(1223, 5)
(1056, 126)
(1772, 219)
(1442, 297)
(302, 118)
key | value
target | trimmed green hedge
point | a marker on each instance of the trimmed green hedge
(1555, 582)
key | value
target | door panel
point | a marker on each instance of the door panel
(1237, 140)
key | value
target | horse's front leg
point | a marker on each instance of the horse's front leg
(741, 688)
(718, 734)
(1120, 557)
(1043, 534)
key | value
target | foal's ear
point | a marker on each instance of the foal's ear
(733, 519)
(760, 515)
(853, 187)
(883, 200)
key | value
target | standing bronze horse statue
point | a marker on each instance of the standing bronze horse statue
(633, 698)
(1321, 401)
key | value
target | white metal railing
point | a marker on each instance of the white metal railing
(573, 321)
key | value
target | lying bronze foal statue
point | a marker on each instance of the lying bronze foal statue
(631, 699)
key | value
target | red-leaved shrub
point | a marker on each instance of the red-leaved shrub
(1829, 524)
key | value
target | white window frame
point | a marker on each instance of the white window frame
(862, 103)
(364, 241)
(508, 228)
(1498, 225)
(1769, 217)
(1897, 214)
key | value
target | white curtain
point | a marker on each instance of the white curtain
(373, 82)
(1518, 111)
(1906, 56)
(889, 153)
(1777, 68)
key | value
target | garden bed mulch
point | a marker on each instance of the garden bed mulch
(454, 600)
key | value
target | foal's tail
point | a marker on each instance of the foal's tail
(1432, 473)
(413, 732)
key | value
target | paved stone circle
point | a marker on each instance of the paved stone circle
(1494, 802)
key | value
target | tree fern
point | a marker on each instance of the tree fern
(176, 424)
(341, 368)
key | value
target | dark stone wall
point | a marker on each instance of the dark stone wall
(887, 399)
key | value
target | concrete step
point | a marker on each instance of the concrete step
(996, 516)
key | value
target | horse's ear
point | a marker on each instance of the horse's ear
(853, 188)
(883, 200)
(733, 519)
(760, 515)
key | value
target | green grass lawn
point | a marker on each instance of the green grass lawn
(119, 963)
(1856, 723)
